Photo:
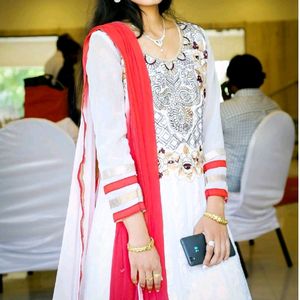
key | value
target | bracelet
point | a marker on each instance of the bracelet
(216, 218)
(148, 247)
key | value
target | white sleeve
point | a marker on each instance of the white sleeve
(107, 99)
(213, 143)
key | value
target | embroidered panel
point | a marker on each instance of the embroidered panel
(184, 162)
(179, 91)
(178, 88)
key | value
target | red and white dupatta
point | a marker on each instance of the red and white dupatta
(142, 142)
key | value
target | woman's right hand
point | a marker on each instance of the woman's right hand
(146, 268)
(144, 265)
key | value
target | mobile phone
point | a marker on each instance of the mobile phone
(194, 248)
(226, 90)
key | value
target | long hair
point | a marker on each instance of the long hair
(109, 11)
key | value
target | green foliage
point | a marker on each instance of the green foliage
(12, 90)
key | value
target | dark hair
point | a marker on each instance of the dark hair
(109, 11)
(245, 71)
(67, 45)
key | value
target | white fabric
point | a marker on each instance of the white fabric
(183, 201)
(223, 282)
(69, 127)
(108, 112)
(79, 214)
(251, 212)
(35, 173)
(106, 90)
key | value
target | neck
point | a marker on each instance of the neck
(152, 20)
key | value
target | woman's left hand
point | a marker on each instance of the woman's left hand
(215, 232)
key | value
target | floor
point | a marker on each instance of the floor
(269, 277)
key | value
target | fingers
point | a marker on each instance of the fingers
(209, 251)
(133, 274)
(157, 279)
(149, 280)
(227, 251)
(218, 253)
(145, 269)
(142, 279)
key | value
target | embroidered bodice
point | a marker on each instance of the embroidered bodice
(179, 90)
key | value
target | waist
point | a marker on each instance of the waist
(184, 162)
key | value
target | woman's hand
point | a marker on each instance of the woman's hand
(146, 269)
(145, 266)
(215, 232)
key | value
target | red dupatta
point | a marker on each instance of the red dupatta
(143, 147)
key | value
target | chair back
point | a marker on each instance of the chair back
(36, 159)
(267, 163)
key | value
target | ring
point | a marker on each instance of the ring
(211, 244)
(156, 275)
(149, 279)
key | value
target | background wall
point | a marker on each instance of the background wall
(35, 15)
(271, 30)
(220, 11)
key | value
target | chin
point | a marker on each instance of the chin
(146, 2)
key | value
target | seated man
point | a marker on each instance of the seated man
(242, 113)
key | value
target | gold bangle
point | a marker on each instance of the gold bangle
(216, 218)
(148, 247)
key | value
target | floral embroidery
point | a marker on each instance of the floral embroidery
(183, 163)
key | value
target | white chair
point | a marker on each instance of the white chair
(69, 127)
(251, 212)
(36, 159)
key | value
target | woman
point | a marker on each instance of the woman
(151, 110)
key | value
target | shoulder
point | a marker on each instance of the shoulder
(230, 107)
(101, 44)
(272, 103)
(193, 32)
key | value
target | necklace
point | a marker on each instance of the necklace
(158, 42)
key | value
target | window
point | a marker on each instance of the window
(20, 57)
(226, 44)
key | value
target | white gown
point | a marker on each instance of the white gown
(188, 130)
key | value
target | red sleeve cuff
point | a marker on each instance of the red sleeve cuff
(120, 215)
(217, 192)
(214, 164)
(120, 184)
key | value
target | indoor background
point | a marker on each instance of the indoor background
(269, 31)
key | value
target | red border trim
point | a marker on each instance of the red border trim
(217, 192)
(214, 164)
(120, 184)
(118, 216)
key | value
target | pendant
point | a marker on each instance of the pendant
(159, 43)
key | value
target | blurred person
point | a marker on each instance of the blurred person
(244, 108)
(56, 61)
(61, 67)
(151, 110)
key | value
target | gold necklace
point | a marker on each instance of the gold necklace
(160, 41)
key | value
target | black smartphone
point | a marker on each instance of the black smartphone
(194, 248)
(226, 90)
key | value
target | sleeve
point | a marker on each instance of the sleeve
(107, 99)
(214, 166)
